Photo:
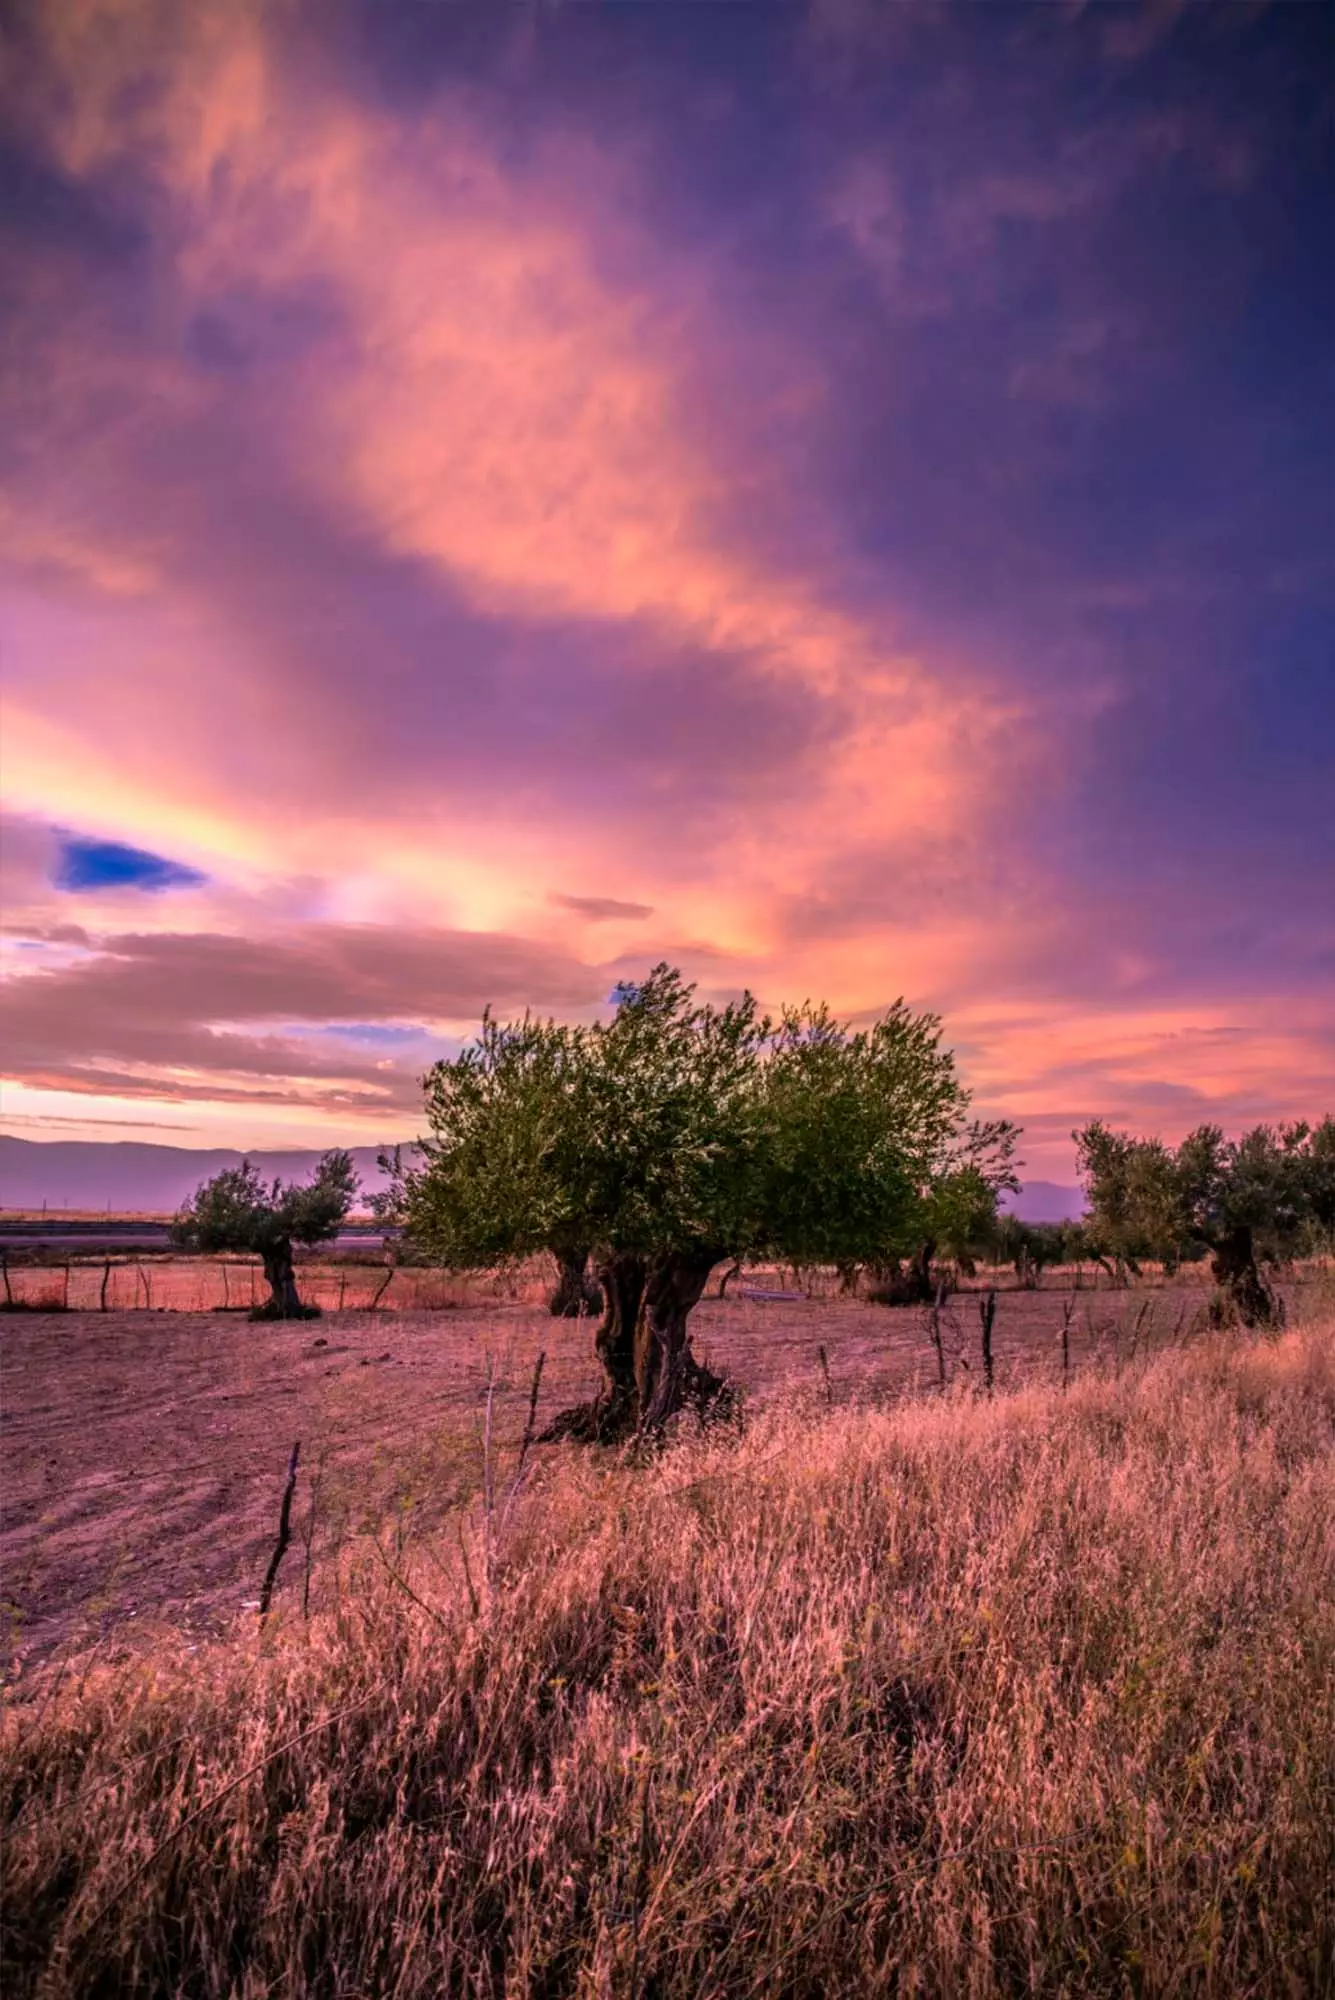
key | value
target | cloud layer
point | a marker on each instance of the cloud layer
(490, 502)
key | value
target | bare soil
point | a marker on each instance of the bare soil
(145, 1451)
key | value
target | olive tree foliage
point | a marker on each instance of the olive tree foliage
(237, 1210)
(873, 1161)
(1256, 1201)
(675, 1135)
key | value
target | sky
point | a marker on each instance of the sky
(838, 497)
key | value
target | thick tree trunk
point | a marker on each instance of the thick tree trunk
(612, 1413)
(574, 1295)
(284, 1302)
(622, 1280)
(667, 1375)
(644, 1350)
(1236, 1273)
(911, 1283)
(924, 1285)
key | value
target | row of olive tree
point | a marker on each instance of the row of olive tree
(678, 1134)
(1246, 1203)
(652, 1146)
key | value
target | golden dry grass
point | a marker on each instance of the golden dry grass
(960, 1698)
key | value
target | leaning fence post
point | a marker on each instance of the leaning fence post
(106, 1280)
(284, 1530)
(4, 1266)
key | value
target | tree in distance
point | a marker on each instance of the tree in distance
(236, 1210)
(1261, 1199)
(1032, 1247)
(677, 1135)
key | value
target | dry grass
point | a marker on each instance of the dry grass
(961, 1698)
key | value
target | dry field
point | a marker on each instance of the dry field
(947, 1697)
(145, 1452)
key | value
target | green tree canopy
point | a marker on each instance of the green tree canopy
(237, 1210)
(678, 1133)
(1269, 1195)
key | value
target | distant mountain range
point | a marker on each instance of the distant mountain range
(1046, 1201)
(127, 1177)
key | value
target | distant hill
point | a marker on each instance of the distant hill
(133, 1178)
(130, 1178)
(1046, 1201)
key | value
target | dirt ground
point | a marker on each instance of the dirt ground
(145, 1452)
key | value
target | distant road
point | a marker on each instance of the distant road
(86, 1234)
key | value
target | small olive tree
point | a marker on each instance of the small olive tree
(237, 1210)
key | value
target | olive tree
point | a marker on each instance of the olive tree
(1248, 1202)
(1132, 1189)
(237, 1210)
(673, 1136)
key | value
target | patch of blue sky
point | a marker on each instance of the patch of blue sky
(110, 864)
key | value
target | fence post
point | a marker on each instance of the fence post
(987, 1313)
(934, 1327)
(284, 1531)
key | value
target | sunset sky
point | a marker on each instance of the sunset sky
(839, 497)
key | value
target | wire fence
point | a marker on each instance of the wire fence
(119, 1284)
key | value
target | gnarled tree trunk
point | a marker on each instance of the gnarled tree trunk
(667, 1374)
(574, 1294)
(278, 1269)
(612, 1413)
(1237, 1275)
(644, 1349)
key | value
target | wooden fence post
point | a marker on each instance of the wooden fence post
(987, 1313)
(934, 1327)
(284, 1531)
